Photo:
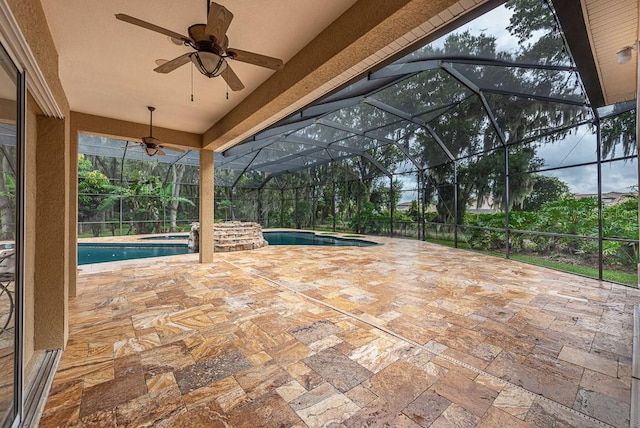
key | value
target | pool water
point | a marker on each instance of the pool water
(310, 238)
(101, 253)
(109, 252)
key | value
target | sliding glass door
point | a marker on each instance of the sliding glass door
(11, 144)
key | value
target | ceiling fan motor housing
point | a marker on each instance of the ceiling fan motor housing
(203, 42)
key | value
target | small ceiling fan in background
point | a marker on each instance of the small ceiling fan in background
(211, 46)
(153, 146)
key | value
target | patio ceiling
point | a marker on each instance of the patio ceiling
(106, 65)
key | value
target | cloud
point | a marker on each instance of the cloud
(578, 148)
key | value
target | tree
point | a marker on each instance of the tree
(226, 206)
(460, 119)
(470, 111)
(144, 197)
(545, 189)
(93, 185)
(414, 211)
(619, 129)
(177, 173)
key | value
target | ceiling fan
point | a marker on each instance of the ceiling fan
(211, 46)
(153, 146)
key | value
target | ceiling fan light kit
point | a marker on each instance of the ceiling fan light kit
(208, 63)
(211, 46)
(151, 151)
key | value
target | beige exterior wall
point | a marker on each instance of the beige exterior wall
(130, 131)
(30, 228)
(52, 233)
(73, 211)
(206, 206)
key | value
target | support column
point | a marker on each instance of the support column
(333, 206)
(296, 214)
(206, 206)
(51, 270)
(455, 204)
(599, 178)
(259, 216)
(281, 208)
(391, 203)
(314, 207)
(359, 203)
(507, 197)
(73, 210)
(421, 207)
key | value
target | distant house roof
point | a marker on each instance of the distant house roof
(609, 198)
(404, 206)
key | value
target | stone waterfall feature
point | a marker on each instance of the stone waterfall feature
(229, 236)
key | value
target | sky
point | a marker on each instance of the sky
(492, 23)
(617, 176)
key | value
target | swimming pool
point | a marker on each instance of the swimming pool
(310, 238)
(101, 253)
(112, 252)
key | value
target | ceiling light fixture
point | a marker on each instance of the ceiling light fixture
(151, 150)
(625, 54)
(209, 63)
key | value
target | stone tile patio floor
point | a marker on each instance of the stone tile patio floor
(406, 334)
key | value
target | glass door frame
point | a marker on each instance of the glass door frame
(20, 213)
(20, 242)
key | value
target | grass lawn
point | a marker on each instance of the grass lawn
(609, 275)
(590, 272)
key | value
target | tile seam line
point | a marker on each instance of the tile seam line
(416, 344)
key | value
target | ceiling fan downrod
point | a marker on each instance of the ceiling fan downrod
(151, 110)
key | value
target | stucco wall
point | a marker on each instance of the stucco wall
(30, 238)
(53, 243)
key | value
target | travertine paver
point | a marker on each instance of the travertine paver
(404, 334)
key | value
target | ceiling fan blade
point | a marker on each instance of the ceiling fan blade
(218, 22)
(159, 151)
(173, 148)
(152, 27)
(256, 59)
(232, 79)
(169, 66)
